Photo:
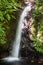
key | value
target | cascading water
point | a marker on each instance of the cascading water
(16, 45)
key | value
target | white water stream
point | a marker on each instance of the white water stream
(16, 44)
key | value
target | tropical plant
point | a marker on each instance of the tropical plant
(7, 9)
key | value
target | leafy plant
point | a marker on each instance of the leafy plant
(7, 9)
(2, 35)
(39, 2)
(38, 12)
(38, 25)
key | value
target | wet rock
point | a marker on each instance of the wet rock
(25, 39)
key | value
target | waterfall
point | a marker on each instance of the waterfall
(16, 44)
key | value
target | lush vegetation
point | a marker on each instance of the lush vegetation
(38, 25)
(7, 9)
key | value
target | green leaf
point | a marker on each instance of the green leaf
(8, 17)
(2, 41)
(1, 16)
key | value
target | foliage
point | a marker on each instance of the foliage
(38, 25)
(39, 2)
(38, 12)
(7, 8)
(2, 34)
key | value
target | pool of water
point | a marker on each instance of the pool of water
(20, 62)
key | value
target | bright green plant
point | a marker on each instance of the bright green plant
(2, 34)
(38, 25)
(7, 9)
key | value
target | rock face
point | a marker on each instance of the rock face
(26, 43)
(29, 0)
(27, 50)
